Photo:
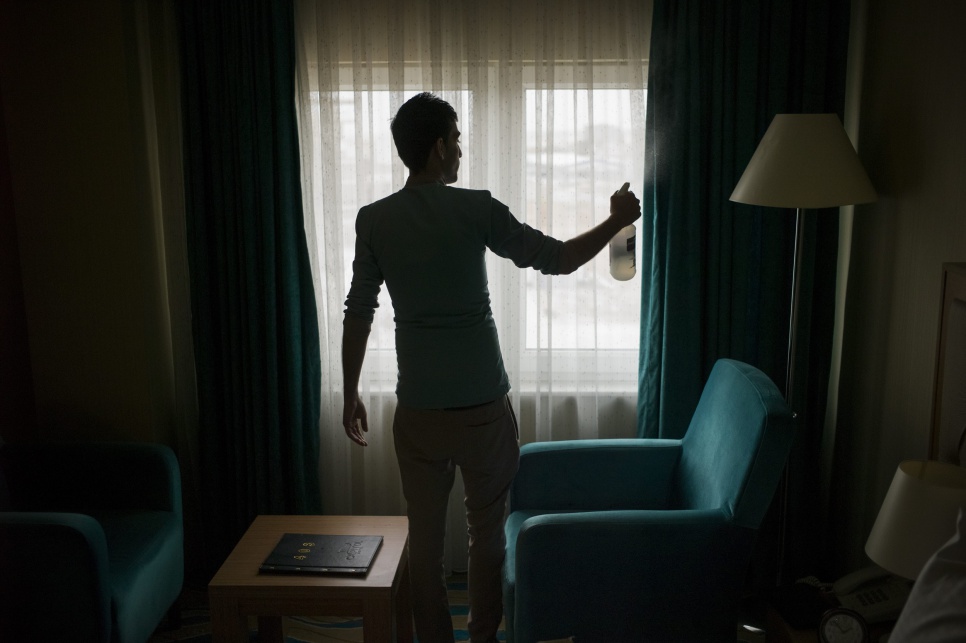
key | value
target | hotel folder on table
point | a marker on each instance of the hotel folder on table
(322, 554)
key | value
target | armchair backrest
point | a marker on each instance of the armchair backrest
(736, 446)
(87, 477)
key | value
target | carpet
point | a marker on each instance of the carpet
(196, 625)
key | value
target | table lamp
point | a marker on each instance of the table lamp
(917, 516)
(803, 161)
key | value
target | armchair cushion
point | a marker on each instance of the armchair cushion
(570, 566)
(594, 475)
(143, 580)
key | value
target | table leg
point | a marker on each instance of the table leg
(377, 621)
(228, 625)
(270, 629)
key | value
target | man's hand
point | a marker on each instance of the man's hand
(625, 207)
(354, 419)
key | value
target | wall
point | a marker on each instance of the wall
(16, 388)
(912, 141)
(78, 191)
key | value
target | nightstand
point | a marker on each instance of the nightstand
(779, 631)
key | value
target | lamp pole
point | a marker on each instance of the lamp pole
(790, 384)
(793, 313)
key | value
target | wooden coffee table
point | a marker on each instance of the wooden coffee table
(381, 597)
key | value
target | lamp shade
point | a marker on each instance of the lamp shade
(918, 515)
(804, 161)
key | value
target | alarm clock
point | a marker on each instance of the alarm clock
(842, 625)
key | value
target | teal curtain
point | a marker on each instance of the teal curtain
(716, 276)
(253, 305)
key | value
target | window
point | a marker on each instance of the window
(580, 144)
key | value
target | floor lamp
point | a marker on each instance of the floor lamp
(804, 161)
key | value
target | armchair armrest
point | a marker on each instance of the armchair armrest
(55, 584)
(644, 558)
(91, 477)
(595, 475)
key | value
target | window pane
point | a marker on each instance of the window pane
(581, 147)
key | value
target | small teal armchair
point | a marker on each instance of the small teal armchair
(645, 539)
(91, 541)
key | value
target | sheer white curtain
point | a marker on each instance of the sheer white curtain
(550, 96)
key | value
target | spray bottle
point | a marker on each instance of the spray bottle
(622, 249)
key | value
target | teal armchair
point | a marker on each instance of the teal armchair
(645, 539)
(91, 541)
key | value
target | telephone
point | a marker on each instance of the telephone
(872, 592)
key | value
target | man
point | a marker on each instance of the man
(427, 242)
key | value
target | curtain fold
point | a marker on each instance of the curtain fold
(717, 275)
(155, 23)
(253, 303)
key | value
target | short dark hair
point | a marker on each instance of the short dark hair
(419, 123)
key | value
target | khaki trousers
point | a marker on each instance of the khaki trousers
(483, 441)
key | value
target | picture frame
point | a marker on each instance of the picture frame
(948, 432)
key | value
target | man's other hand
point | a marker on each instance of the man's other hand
(354, 420)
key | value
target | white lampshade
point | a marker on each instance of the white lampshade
(804, 161)
(918, 515)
